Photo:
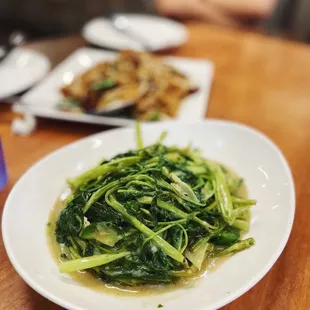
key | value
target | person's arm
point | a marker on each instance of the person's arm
(225, 12)
(255, 8)
(194, 9)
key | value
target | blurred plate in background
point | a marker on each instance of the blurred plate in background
(20, 70)
(160, 33)
(42, 100)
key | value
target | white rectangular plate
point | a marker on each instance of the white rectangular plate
(42, 99)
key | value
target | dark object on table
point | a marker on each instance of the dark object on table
(3, 173)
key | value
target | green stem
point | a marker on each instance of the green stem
(141, 183)
(158, 233)
(173, 222)
(223, 197)
(243, 202)
(101, 170)
(179, 213)
(96, 195)
(145, 200)
(89, 175)
(139, 136)
(163, 244)
(89, 262)
(237, 247)
(162, 137)
(101, 191)
(242, 225)
(209, 207)
(185, 238)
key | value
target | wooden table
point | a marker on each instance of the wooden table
(259, 81)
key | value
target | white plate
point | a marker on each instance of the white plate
(159, 32)
(20, 70)
(42, 99)
(245, 150)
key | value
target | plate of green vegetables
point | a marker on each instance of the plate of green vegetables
(171, 215)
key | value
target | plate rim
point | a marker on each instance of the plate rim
(222, 302)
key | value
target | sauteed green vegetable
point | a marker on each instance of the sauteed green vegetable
(151, 216)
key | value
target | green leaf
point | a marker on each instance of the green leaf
(182, 187)
(227, 236)
(197, 256)
(103, 232)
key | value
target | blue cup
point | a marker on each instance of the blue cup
(3, 174)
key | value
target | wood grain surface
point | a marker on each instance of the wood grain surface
(259, 81)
